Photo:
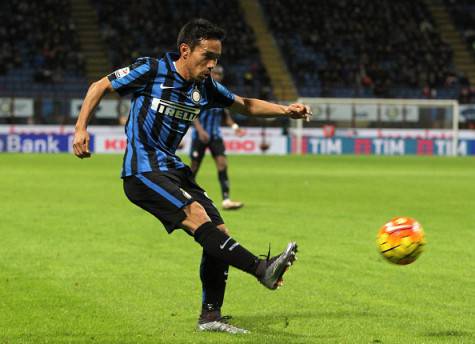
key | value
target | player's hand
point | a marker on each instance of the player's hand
(299, 111)
(81, 144)
(239, 132)
(203, 136)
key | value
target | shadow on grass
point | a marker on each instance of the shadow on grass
(281, 324)
(448, 333)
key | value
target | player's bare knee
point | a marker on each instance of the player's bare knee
(196, 214)
(223, 229)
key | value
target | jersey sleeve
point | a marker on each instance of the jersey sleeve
(133, 78)
(218, 95)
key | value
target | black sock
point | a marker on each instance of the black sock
(209, 313)
(223, 247)
(213, 274)
(224, 182)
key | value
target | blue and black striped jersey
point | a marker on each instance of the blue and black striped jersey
(163, 107)
(210, 120)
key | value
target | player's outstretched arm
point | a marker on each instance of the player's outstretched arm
(257, 107)
(93, 96)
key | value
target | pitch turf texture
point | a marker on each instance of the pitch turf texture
(80, 264)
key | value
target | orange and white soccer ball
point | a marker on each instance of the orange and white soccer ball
(401, 240)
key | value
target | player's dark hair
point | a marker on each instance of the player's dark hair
(196, 30)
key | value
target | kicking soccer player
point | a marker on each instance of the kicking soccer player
(207, 134)
(168, 94)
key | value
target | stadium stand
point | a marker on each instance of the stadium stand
(363, 48)
(151, 29)
(341, 48)
(462, 13)
(40, 53)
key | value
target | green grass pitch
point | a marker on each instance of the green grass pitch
(80, 264)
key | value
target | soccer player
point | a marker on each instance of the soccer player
(168, 94)
(207, 134)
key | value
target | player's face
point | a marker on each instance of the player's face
(203, 58)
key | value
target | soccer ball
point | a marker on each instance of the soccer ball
(401, 240)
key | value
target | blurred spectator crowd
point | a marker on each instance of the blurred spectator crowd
(38, 43)
(351, 48)
(463, 17)
(150, 28)
(335, 48)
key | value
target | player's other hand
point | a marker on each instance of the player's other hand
(239, 132)
(299, 111)
(81, 144)
(203, 136)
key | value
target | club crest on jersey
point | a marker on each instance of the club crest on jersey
(196, 96)
(119, 73)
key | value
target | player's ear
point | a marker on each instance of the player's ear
(185, 50)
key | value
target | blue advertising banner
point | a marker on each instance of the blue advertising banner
(38, 143)
(381, 146)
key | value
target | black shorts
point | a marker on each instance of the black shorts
(198, 148)
(165, 194)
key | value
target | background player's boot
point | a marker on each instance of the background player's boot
(212, 321)
(231, 205)
(271, 270)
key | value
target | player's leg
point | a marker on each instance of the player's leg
(213, 271)
(223, 247)
(213, 275)
(202, 224)
(219, 155)
(215, 242)
(197, 153)
(160, 194)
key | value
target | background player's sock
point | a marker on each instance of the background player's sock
(225, 248)
(195, 171)
(213, 274)
(224, 182)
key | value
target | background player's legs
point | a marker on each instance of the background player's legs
(218, 151)
(195, 166)
(197, 154)
(222, 166)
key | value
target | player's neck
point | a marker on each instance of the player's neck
(180, 68)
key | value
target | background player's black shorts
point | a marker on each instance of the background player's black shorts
(165, 194)
(215, 145)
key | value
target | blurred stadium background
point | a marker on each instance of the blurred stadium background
(345, 49)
